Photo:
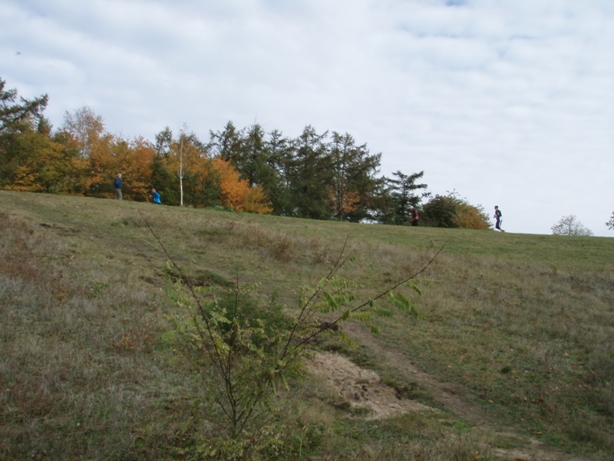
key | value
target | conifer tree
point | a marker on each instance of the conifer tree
(310, 176)
(277, 185)
(397, 195)
(354, 181)
(12, 114)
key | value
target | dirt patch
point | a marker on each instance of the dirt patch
(361, 388)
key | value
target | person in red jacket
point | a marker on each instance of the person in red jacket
(415, 217)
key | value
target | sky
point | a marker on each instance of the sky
(505, 102)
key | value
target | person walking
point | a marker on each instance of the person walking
(498, 218)
(117, 184)
(415, 217)
(155, 196)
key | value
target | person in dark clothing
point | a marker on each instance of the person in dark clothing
(155, 196)
(498, 218)
(415, 217)
(117, 184)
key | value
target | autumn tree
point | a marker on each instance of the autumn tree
(232, 188)
(42, 165)
(133, 159)
(255, 201)
(86, 129)
(453, 211)
(182, 170)
(469, 216)
(83, 132)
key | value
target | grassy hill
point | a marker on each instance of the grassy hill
(514, 349)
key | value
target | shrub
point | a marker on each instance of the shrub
(453, 211)
(569, 225)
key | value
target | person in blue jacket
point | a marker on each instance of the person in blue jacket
(117, 184)
(155, 196)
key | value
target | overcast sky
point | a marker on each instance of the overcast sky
(507, 102)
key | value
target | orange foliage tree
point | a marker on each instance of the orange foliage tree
(84, 132)
(471, 216)
(232, 188)
(46, 166)
(255, 201)
(133, 160)
(235, 192)
(344, 202)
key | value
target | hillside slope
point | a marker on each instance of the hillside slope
(514, 348)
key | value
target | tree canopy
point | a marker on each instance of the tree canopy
(13, 114)
(318, 175)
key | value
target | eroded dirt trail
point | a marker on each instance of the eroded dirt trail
(363, 388)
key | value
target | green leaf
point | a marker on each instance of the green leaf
(331, 301)
(400, 301)
(169, 336)
(346, 339)
(413, 284)
(382, 312)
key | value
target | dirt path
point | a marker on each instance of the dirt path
(363, 388)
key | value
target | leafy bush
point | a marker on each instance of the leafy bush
(453, 211)
(243, 349)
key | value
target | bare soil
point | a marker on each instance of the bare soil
(360, 387)
(363, 388)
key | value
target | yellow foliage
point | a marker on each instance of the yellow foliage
(344, 202)
(135, 166)
(25, 180)
(471, 217)
(232, 188)
(235, 192)
(102, 162)
(255, 201)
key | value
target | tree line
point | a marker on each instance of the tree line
(316, 175)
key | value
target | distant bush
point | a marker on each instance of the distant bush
(454, 212)
(569, 225)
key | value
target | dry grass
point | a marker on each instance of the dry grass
(524, 322)
(77, 367)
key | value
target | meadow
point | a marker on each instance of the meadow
(513, 349)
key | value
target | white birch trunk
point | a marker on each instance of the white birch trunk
(181, 172)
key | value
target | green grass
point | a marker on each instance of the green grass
(523, 323)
